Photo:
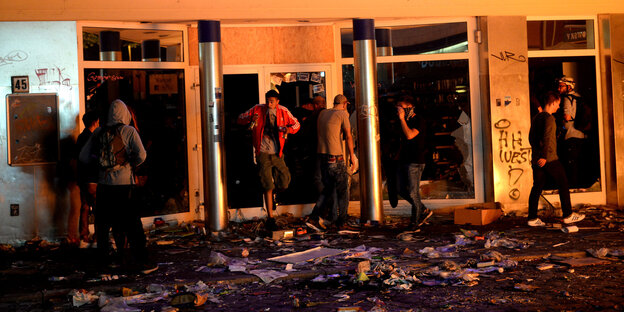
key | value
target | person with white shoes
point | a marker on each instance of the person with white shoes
(545, 162)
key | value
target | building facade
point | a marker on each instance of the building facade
(476, 76)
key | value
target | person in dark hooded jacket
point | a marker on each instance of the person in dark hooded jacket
(114, 208)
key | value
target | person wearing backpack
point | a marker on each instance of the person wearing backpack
(575, 121)
(117, 150)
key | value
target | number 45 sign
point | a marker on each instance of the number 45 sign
(19, 84)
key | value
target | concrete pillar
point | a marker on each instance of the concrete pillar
(506, 54)
(371, 201)
(611, 46)
(212, 113)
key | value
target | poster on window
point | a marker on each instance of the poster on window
(315, 77)
(318, 88)
(303, 76)
(163, 84)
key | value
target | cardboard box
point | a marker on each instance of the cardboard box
(283, 234)
(481, 214)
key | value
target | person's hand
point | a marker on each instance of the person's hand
(567, 117)
(541, 162)
(401, 113)
(282, 129)
(354, 164)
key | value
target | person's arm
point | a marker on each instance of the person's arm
(137, 151)
(85, 155)
(567, 108)
(550, 141)
(292, 124)
(409, 132)
(346, 129)
(248, 116)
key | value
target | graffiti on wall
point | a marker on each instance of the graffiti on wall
(13, 57)
(514, 153)
(54, 77)
(510, 56)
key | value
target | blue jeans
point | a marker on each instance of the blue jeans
(409, 187)
(334, 199)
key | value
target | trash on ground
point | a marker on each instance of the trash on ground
(525, 287)
(307, 255)
(267, 276)
(82, 297)
(545, 266)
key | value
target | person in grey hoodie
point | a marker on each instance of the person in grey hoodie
(115, 209)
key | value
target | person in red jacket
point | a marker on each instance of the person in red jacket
(270, 124)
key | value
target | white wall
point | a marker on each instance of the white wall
(47, 53)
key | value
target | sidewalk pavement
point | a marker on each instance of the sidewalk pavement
(40, 270)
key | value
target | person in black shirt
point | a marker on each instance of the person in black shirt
(546, 163)
(412, 158)
(87, 177)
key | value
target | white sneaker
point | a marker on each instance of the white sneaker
(536, 222)
(573, 217)
(83, 244)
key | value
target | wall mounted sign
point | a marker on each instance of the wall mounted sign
(19, 84)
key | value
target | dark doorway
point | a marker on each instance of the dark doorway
(156, 99)
(243, 186)
(543, 76)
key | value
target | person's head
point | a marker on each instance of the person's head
(340, 102)
(566, 85)
(307, 105)
(90, 119)
(272, 98)
(319, 102)
(118, 113)
(550, 102)
(405, 101)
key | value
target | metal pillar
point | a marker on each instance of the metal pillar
(371, 201)
(212, 115)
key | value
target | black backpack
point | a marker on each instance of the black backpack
(583, 118)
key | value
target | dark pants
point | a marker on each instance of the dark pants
(572, 152)
(87, 200)
(409, 187)
(391, 168)
(555, 170)
(273, 172)
(334, 200)
(115, 210)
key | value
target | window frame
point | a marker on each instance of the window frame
(581, 197)
(472, 56)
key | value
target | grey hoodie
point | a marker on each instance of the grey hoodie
(119, 175)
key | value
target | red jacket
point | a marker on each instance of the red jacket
(284, 119)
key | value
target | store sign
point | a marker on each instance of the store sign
(575, 33)
(19, 84)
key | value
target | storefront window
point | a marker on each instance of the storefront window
(132, 44)
(156, 99)
(441, 92)
(560, 34)
(413, 40)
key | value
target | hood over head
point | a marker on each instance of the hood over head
(118, 113)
